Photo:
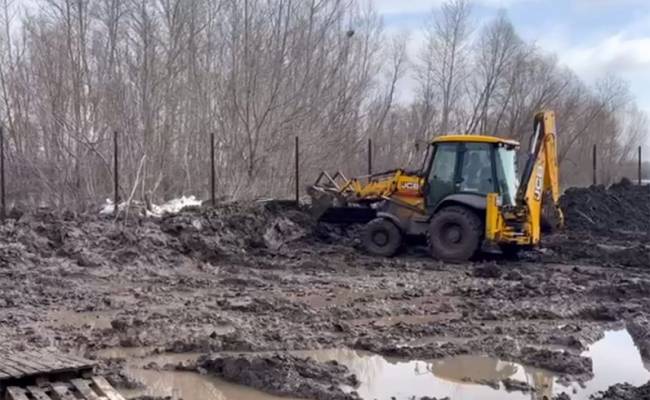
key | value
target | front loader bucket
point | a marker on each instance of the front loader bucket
(328, 191)
(333, 201)
(321, 201)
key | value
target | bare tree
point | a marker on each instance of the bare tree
(166, 74)
(498, 49)
(444, 56)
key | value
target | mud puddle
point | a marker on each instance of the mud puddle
(176, 384)
(615, 359)
(190, 386)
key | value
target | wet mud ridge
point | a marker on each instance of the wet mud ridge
(284, 375)
(244, 288)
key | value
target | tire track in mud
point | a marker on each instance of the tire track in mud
(217, 281)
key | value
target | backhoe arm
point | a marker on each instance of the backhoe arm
(540, 183)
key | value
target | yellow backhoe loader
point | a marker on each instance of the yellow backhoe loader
(466, 198)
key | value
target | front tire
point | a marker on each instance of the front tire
(381, 237)
(455, 234)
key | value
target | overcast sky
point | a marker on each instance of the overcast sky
(593, 37)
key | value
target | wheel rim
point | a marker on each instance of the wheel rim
(452, 234)
(380, 238)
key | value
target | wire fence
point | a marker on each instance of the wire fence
(633, 170)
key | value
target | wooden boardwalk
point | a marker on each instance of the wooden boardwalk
(95, 388)
(33, 364)
(51, 376)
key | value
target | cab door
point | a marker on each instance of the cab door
(443, 174)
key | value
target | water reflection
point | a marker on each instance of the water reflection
(615, 359)
(191, 386)
(455, 377)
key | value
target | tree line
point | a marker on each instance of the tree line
(166, 74)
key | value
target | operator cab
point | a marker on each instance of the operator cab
(468, 167)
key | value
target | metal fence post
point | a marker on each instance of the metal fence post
(640, 169)
(212, 171)
(116, 180)
(595, 166)
(369, 156)
(3, 206)
(297, 177)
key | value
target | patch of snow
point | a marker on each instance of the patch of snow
(171, 207)
(175, 205)
(109, 207)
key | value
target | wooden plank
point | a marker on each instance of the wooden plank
(24, 369)
(48, 363)
(75, 362)
(16, 393)
(80, 360)
(61, 392)
(37, 363)
(52, 360)
(45, 359)
(27, 362)
(105, 389)
(40, 364)
(38, 393)
(83, 386)
(10, 371)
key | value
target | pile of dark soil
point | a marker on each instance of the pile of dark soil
(604, 226)
(204, 234)
(624, 391)
(284, 375)
(621, 208)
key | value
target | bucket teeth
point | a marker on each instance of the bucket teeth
(321, 200)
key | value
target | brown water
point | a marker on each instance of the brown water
(383, 378)
(615, 359)
(191, 386)
(177, 384)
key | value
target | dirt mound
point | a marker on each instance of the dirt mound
(237, 228)
(205, 234)
(284, 375)
(604, 226)
(621, 208)
(625, 391)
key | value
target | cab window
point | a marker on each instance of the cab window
(476, 169)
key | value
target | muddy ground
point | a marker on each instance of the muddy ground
(262, 277)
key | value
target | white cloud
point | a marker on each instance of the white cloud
(395, 7)
(615, 54)
(624, 55)
(404, 7)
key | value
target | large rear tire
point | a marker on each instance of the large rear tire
(381, 237)
(455, 234)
